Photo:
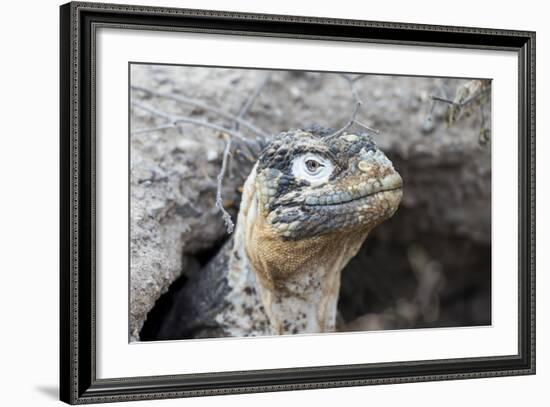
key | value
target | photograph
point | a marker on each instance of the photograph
(257, 202)
(269, 202)
(278, 203)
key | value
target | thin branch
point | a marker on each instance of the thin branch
(153, 111)
(358, 103)
(196, 103)
(352, 85)
(250, 101)
(443, 90)
(219, 201)
(444, 100)
(173, 121)
(248, 104)
(153, 129)
(484, 132)
(375, 131)
(460, 104)
(431, 112)
(471, 93)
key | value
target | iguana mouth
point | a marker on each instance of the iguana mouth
(360, 199)
(392, 182)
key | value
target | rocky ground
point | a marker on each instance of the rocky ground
(429, 266)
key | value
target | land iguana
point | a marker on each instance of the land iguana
(307, 206)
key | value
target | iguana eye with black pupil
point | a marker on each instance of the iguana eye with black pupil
(312, 168)
(313, 165)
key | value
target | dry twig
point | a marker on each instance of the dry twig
(201, 105)
(468, 96)
(250, 101)
(219, 200)
(357, 103)
(173, 121)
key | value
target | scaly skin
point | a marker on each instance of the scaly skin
(307, 207)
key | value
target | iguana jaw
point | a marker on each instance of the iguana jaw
(364, 204)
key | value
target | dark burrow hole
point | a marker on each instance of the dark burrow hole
(155, 318)
(381, 281)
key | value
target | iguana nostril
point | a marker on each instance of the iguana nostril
(364, 166)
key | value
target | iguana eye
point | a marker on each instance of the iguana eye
(313, 168)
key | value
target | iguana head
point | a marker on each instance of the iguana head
(309, 204)
(310, 183)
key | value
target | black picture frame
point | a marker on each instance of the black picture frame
(78, 382)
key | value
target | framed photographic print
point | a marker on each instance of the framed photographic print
(258, 203)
